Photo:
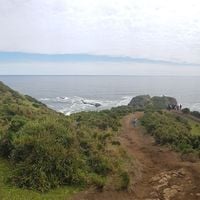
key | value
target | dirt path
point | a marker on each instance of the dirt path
(162, 176)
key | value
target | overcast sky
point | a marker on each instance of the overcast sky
(167, 30)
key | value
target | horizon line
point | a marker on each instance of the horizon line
(97, 75)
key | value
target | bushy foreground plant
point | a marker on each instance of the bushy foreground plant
(51, 153)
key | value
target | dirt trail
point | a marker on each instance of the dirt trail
(162, 176)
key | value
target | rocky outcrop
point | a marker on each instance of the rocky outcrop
(91, 103)
(163, 102)
(144, 101)
(140, 101)
(164, 187)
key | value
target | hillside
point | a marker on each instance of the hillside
(46, 150)
(98, 155)
(177, 131)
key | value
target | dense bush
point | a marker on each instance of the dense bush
(16, 123)
(168, 128)
(186, 110)
(195, 114)
(100, 120)
(55, 152)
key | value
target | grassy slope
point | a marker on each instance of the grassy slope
(43, 149)
(195, 127)
(180, 132)
(30, 108)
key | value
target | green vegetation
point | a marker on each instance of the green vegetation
(195, 127)
(173, 130)
(193, 118)
(46, 155)
(44, 149)
(145, 102)
(195, 114)
(9, 192)
(186, 110)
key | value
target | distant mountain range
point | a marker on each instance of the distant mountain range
(37, 57)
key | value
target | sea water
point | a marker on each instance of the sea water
(66, 94)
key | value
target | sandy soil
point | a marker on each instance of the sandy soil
(162, 174)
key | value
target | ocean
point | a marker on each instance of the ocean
(70, 94)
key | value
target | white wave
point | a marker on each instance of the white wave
(69, 105)
(56, 99)
(193, 106)
(44, 99)
(125, 100)
(62, 99)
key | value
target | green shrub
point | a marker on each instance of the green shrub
(52, 152)
(6, 145)
(125, 180)
(195, 114)
(170, 129)
(98, 180)
(186, 110)
(116, 142)
(16, 123)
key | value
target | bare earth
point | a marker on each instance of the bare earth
(162, 174)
